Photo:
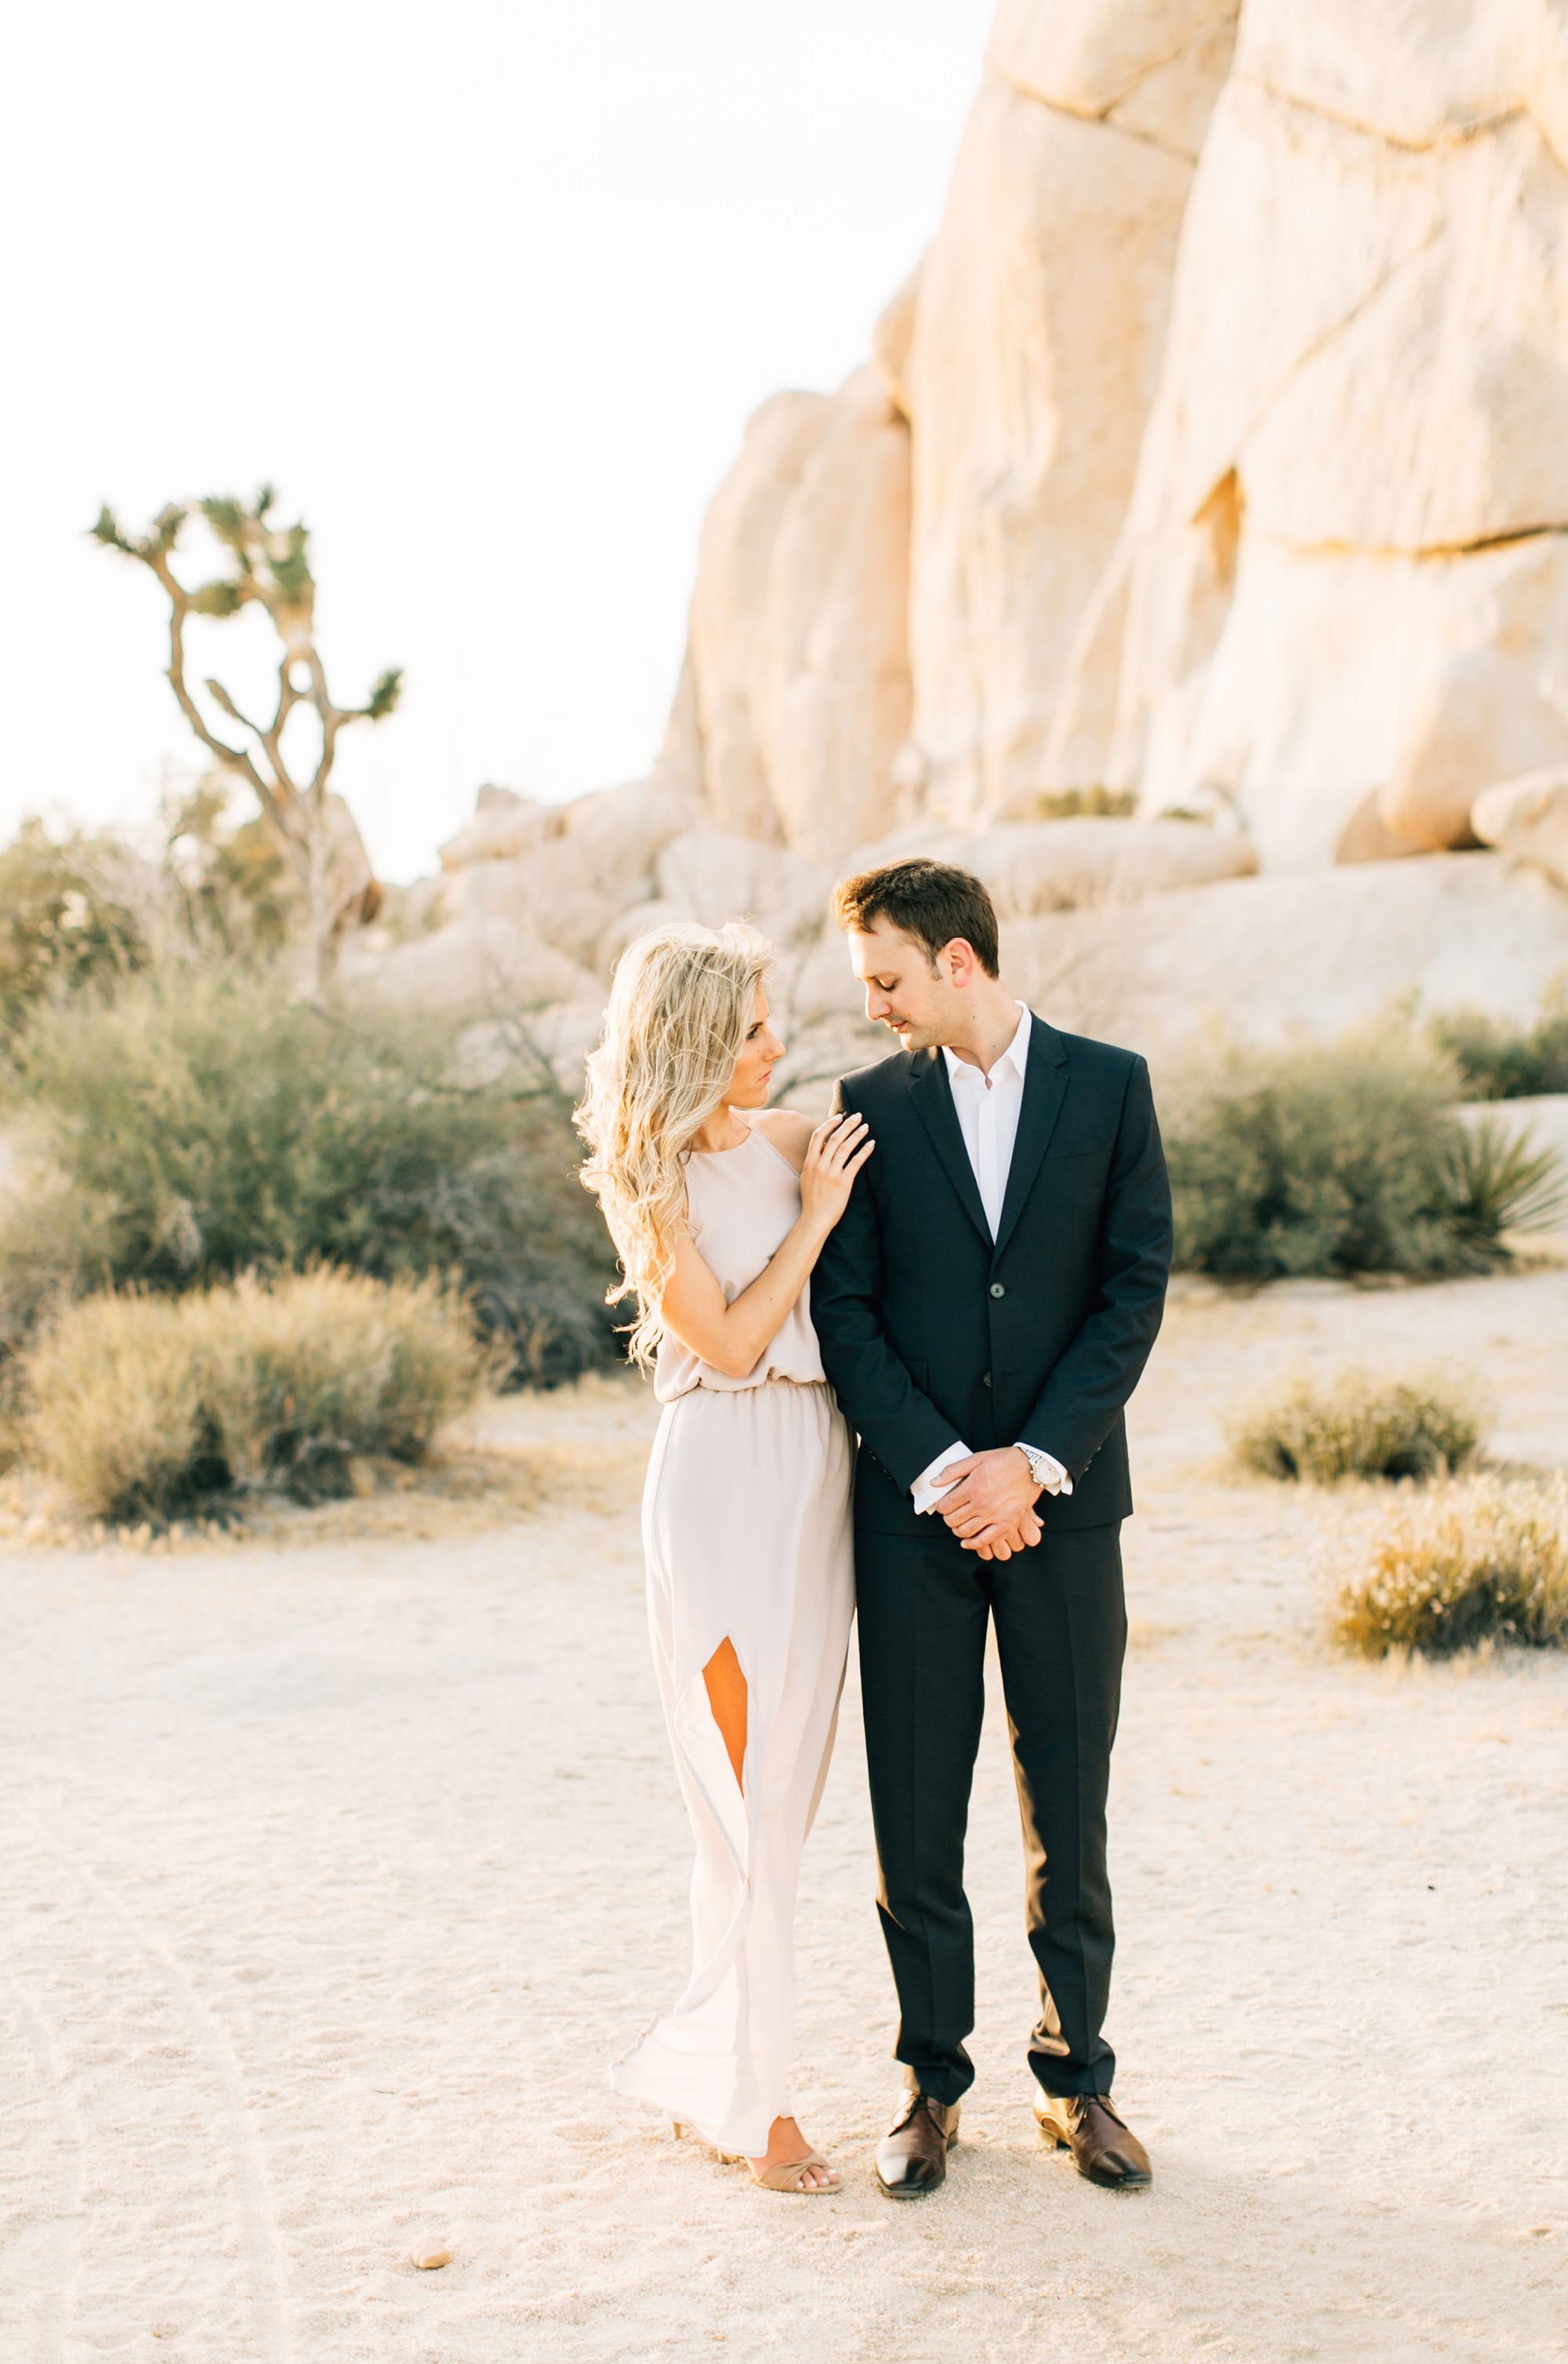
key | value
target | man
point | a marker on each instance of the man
(995, 1284)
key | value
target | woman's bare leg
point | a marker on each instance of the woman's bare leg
(726, 1697)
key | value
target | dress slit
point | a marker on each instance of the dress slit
(774, 1577)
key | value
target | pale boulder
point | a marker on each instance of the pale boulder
(479, 964)
(680, 761)
(555, 879)
(563, 1036)
(1275, 956)
(574, 887)
(620, 832)
(1300, 709)
(1174, 102)
(505, 825)
(714, 876)
(637, 919)
(1039, 333)
(1062, 865)
(1416, 75)
(1480, 720)
(1373, 335)
(1367, 836)
(550, 895)
(1351, 470)
(892, 339)
(824, 988)
(1153, 65)
(1529, 816)
(799, 652)
(1429, 419)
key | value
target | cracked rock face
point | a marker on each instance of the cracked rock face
(1215, 450)
(1234, 380)
(1368, 346)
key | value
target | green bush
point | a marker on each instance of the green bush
(206, 1123)
(1068, 804)
(1340, 1158)
(1359, 1427)
(60, 926)
(1509, 1063)
(1472, 1564)
(89, 908)
(139, 1404)
(1499, 1181)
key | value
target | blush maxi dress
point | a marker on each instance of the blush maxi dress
(747, 1531)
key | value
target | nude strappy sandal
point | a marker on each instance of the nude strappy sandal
(788, 2178)
(777, 2179)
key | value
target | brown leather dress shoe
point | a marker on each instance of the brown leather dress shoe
(912, 2159)
(1102, 2148)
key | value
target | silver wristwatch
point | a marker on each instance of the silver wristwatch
(1040, 1464)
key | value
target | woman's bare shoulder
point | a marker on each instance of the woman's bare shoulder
(788, 1130)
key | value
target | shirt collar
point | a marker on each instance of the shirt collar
(1017, 1052)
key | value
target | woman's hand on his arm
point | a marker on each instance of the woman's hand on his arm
(834, 1155)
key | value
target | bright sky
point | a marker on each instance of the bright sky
(488, 290)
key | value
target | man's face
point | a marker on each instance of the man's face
(917, 1002)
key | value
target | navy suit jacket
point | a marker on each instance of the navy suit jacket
(930, 1330)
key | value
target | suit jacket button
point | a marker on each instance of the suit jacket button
(997, 1289)
(987, 1381)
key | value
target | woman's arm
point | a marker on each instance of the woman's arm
(732, 1337)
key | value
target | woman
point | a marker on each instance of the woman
(719, 1214)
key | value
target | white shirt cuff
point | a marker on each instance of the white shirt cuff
(1057, 1481)
(925, 1490)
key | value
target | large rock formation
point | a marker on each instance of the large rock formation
(1213, 451)
(1233, 385)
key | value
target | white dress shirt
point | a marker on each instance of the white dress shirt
(987, 1108)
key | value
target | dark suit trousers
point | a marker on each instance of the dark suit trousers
(923, 1607)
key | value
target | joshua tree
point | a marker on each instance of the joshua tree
(271, 568)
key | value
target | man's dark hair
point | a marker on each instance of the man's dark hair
(931, 902)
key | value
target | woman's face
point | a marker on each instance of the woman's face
(760, 1054)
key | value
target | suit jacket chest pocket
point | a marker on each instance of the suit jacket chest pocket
(1076, 1144)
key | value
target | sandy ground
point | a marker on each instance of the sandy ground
(334, 1875)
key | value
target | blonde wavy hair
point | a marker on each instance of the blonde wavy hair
(680, 1009)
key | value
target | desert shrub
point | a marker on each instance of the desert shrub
(1068, 804)
(88, 908)
(137, 1404)
(1498, 1180)
(60, 927)
(206, 1121)
(1470, 1564)
(1498, 1062)
(1339, 1158)
(1359, 1427)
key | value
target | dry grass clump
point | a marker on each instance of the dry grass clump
(1473, 1562)
(453, 1491)
(137, 1405)
(1360, 1427)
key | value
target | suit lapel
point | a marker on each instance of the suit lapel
(1045, 1087)
(930, 1094)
